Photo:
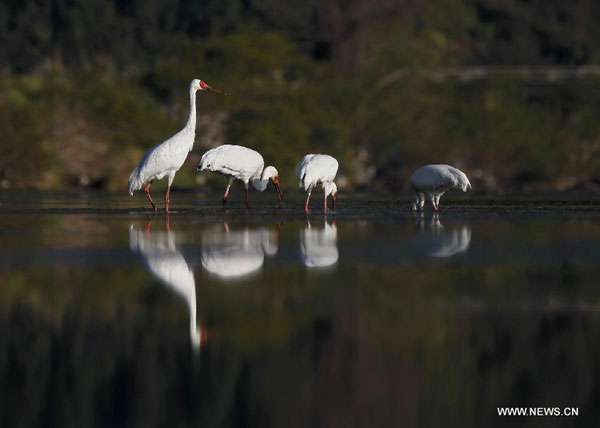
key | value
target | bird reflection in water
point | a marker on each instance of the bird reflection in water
(232, 254)
(162, 259)
(434, 240)
(318, 246)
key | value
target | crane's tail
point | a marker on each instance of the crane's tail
(301, 175)
(135, 181)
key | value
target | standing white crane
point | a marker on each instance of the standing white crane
(241, 163)
(166, 158)
(432, 181)
(316, 169)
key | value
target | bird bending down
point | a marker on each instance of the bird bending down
(240, 163)
(316, 169)
(166, 158)
(432, 181)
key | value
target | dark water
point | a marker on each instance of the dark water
(374, 317)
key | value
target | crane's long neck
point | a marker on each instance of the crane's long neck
(258, 184)
(191, 122)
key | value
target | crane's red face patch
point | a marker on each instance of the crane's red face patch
(203, 85)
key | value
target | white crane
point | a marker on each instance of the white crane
(166, 158)
(432, 181)
(237, 253)
(162, 259)
(315, 169)
(241, 163)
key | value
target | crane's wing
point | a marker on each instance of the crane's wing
(302, 168)
(461, 178)
(238, 161)
(316, 168)
(432, 177)
(153, 165)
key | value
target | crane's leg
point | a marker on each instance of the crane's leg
(421, 201)
(437, 201)
(325, 203)
(147, 192)
(226, 194)
(168, 195)
(167, 199)
(306, 205)
(247, 197)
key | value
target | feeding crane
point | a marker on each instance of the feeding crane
(316, 169)
(240, 163)
(432, 181)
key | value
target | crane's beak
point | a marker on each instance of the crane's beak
(278, 189)
(333, 198)
(216, 91)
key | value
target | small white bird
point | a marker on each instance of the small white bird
(316, 169)
(166, 158)
(241, 163)
(432, 181)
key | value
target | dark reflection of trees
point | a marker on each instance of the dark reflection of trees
(429, 368)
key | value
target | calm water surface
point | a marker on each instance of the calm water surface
(373, 317)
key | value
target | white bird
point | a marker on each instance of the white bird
(241, 163)
(432, 181)
(318, 247)
(234, 254)
(315, 169)
(166, 158)
(162, 259)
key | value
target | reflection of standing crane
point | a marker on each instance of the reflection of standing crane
(161, 258)
(235, 253)
(166, 158)
(432, 181)
(315, 169)
(436, 241)
(241, 163)
(318, 247)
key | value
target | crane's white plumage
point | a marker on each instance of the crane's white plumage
(240, 163)
(162, 259)
(165, 159)
(432, 181)
(234, 254)
(315, 169)
(318, 247)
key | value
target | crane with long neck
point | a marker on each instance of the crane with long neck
(166, 158)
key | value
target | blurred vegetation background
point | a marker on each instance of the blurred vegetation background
(507, 90)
